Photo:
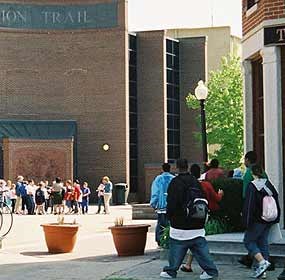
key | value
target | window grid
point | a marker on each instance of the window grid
(133, 113)
(173, 100)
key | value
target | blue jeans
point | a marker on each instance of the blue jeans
(256, 239)
(162, 222)
(200, 251)
(84, 205)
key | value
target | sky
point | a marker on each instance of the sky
(165, 14)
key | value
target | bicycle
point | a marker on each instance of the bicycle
(6, 217)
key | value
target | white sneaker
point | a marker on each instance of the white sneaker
(164, 274)
(263, 275)
(261, 269)
(205, 275)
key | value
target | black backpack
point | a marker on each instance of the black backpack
(195, 204)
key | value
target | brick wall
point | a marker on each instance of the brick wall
(266, 10)
(151, 74)
(81, 76)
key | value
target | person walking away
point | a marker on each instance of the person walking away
(31, 189)
(40, 199)
(68, 196)
(260, 211)
(85, 197)
(213, 199)
(100, 193)
(25, 199)
(56, 191)
(250, 159)
(107, 193)
(186, 231)
(215, 171)
(75, 195)
(159, 189)
(18, 206)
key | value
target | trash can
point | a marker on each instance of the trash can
(121, 193)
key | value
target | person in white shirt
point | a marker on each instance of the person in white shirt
(186, 232)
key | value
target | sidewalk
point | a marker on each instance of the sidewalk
(24, 254)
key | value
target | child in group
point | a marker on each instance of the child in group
(40, 199)
(85, 197)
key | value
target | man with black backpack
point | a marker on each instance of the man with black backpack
(187, 212)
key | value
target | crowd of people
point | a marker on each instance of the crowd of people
(174, 196)
(27, 197)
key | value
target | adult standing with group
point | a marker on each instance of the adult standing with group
(158, 201)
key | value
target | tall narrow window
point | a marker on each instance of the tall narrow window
(133, 112)
(173, 100)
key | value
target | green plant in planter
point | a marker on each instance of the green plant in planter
(164, 238)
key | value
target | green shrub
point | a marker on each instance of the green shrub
(231, 203)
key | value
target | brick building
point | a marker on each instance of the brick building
(263, 49)
(78, 90)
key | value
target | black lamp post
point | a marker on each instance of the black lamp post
(201, 93)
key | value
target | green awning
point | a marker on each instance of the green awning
(38, 129)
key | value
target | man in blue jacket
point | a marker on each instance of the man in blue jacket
(159, 189)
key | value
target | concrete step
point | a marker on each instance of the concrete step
(229, 248)
(143, 212)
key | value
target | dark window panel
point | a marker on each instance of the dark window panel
(134, 166)
(176, 152)
(170, 122)
(251, 3)
(176, 107)
(133, 120)
(169, 61)
(169, 46)
(176, 78)
(176, 122)
(134, 184)
(133, 89)
(132, 42)
(133, 105)
(170, 151)
(133, 136)
(132, 73)
(176, 48)
(133, 151)
(170, 107)
(170, 76)
(170, 89)
(176, 92)
(132, 58)
(176, 62)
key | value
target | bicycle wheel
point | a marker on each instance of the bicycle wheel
(6, 222)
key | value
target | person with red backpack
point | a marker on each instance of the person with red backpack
(260, 211)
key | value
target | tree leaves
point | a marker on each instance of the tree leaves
(224, 112)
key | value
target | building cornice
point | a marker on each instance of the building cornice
(266, 23)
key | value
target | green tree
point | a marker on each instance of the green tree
(224, 112)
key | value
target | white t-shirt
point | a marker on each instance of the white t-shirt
(186, 234)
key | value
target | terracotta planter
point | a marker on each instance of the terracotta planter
(130, 240)
(60, 238)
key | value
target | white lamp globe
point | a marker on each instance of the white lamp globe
(201, 91)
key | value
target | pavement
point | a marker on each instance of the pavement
(24, 254)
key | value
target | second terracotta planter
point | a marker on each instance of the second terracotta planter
(130, 240)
